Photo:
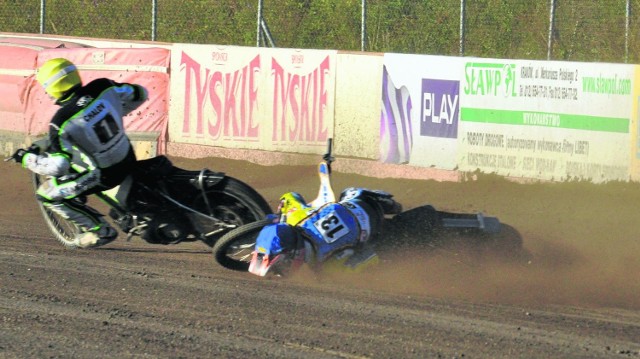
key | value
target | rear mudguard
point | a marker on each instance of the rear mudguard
(469, 221)
(206, 179)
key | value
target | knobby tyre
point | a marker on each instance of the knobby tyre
(234, 249)
(62, 229)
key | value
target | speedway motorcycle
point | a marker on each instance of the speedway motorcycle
(165, 204)
(241, 248)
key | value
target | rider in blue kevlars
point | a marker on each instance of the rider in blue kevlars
(89, 151)
(330, 236)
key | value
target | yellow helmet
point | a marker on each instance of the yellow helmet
(58, 76)
(294, 207)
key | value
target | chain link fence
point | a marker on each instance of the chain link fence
(575, 30)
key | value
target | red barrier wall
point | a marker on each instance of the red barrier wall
(18, 58)
(25, 107)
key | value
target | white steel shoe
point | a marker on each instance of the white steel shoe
(102, 236)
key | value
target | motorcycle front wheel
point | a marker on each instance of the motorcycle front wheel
(234, 249)
(62, 229)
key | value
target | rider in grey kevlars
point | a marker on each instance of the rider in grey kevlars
(89, 151)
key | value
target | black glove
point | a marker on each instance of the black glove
(21, 152)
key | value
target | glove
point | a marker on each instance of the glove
(21, 152)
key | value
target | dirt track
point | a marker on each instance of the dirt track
(572, 290)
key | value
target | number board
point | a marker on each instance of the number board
(331, 227)
(106, 129)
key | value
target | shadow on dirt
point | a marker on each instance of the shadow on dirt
(158, 249)
(474, 234)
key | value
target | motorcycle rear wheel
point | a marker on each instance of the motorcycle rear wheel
(234, 249)
(233, 202)
(62, 229)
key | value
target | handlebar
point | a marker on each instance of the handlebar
(35, 147)
(328, 158)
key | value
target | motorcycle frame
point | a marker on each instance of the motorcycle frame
(204, 180)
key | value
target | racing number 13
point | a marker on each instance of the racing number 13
(331, 227)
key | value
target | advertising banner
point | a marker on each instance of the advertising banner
(546, 120)
(253, 98)
(420, 110)
(634, 153)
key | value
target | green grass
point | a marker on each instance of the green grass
(591, 30)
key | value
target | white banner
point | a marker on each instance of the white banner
(420, 110)
(255, 98)
(546, 120)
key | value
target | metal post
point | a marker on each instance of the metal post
(462, 13)
(266, 34)
(363, 28)
(626, 32)
(552, 15)
(154, 19)
(259, 22)
(42, 11)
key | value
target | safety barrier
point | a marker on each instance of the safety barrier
(391, 115)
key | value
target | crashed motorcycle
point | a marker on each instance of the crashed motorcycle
(252, 248)
(165, 204)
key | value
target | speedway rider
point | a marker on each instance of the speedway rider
(89, 151)
(331, 237)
